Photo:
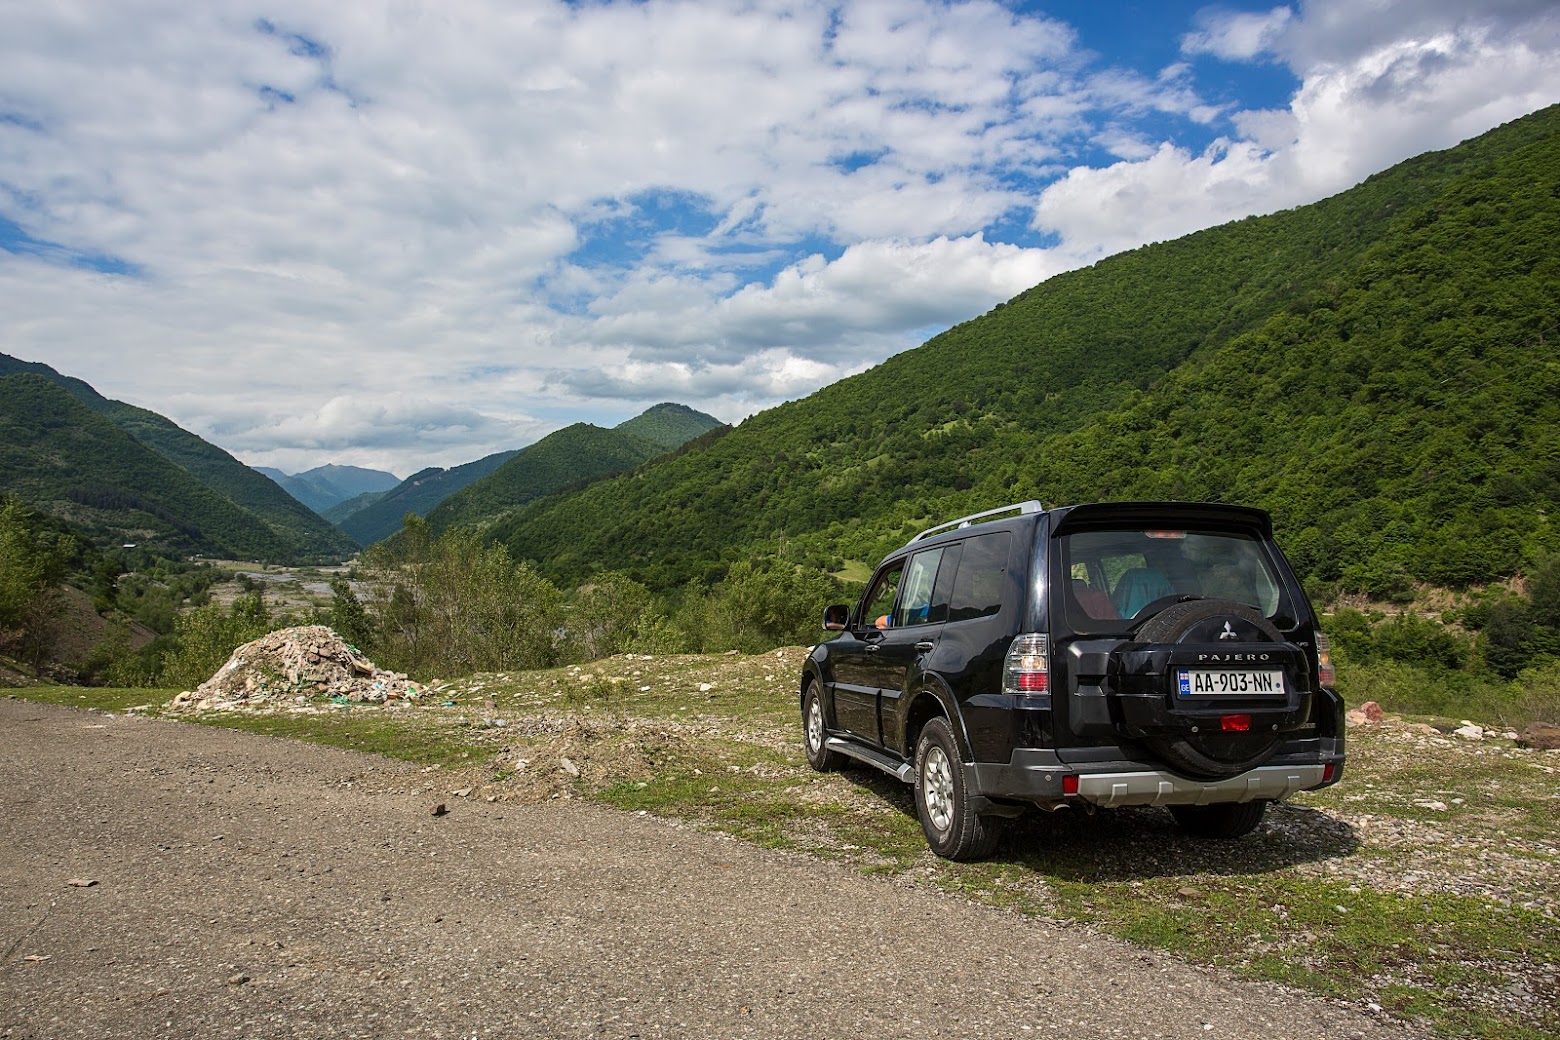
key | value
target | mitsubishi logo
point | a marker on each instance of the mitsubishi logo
(1228, 633)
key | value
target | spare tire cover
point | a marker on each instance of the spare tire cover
(1214, 754)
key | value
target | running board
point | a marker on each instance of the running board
(902, 771)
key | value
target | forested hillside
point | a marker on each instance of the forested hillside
(59, 456)
(1379, 369)
(299, 532)
(380, 517)
(562, 458)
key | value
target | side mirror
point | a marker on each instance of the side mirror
(836, 617)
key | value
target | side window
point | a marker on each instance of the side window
(880, 601)
(915, 605)
(977, 591)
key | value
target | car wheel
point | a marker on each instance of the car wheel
(815, 733)
(1226, 821)
(943, 801)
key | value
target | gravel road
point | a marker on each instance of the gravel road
(254, 887)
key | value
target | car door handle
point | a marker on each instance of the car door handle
(925, 646)
(872, 648)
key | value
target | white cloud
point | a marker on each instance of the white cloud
(1236, 36)
(817, 308)
(1376, 87)
(407, 233)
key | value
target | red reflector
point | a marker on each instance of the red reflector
(1235, 723)
(1034, 682)
(1070, 784)
(1329, 772)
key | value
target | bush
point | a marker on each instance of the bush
(756, 608)
(1409, 638)
(205, 637)
(453, 605)
(614, 615)
(33, 563)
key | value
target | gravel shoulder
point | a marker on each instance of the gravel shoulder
(259, 887)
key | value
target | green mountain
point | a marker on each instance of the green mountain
(301, 533)
(669, 425)
(324, 487)
(356, 504)
(571, 456)
(372, 520)
(1379, 369)
(64, 459)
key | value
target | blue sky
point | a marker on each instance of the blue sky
(401, 233)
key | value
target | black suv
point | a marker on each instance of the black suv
(1128, 653)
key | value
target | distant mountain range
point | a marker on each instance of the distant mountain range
(125, 475)
(324, 487)
(122, 473)
(479, 491)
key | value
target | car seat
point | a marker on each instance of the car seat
(1137, 588)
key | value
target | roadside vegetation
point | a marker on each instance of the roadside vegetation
(453, 604)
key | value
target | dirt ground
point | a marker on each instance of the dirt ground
(175, 880)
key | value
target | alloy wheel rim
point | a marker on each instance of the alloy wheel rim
(937, 788)
(814, 724)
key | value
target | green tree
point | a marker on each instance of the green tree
(205, 637)
(453, 605)
(34, 561)
(348, 617)
(614, 614)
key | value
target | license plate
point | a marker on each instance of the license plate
(1231, 682)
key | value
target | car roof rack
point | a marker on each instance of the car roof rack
(1032, 506)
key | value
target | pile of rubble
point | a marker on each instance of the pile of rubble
(296, 666)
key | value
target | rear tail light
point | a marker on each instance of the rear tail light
(1235, 723)
(1027, 671)
(1327, 673)
(1329, 772)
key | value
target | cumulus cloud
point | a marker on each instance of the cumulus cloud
(412, 233)
(1380, 81)
(1236, 36)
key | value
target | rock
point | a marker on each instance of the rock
(81, 882)
(569, 767)
(1372, 711)
(1468, 731)
(1355, 717)
(296, 665)
(1544, 736)
(440, 809)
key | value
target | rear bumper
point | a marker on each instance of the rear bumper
(1272, 783)
(1040, 776)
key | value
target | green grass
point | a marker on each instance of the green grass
(101, 698)
(360, 730)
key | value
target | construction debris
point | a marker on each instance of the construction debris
(293, 666)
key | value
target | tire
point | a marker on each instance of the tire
(1211, 755)
(943, 801)
(1222, 822)
(815, 732)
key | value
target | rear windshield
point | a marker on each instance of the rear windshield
(1120, 576)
